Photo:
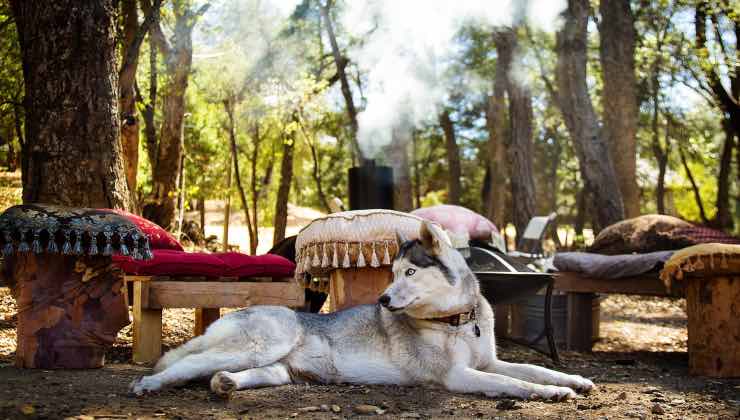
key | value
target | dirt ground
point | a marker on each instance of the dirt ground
(639, 366)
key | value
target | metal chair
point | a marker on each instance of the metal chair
(529, 246)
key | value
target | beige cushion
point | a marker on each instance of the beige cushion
(704, 260)
(358, 238)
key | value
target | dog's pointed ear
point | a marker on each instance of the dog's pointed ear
(429, 239)
(400, 238)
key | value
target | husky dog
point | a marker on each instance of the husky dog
(431, 326)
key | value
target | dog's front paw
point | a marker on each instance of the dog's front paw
(143, 385)
(553, 393)
(580, 384)
(223, 385)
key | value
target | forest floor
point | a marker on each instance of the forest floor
(639, 366)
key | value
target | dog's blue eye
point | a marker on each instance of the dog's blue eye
(410, 272)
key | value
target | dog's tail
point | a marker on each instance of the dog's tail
(195, 345)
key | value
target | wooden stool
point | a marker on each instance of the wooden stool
(151, 294)
(357, 286)
(70, 309)
(713, 306)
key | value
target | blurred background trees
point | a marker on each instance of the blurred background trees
(619, 108)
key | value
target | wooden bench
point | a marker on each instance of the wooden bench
(150, 294)
(581, 291)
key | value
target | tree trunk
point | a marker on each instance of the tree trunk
(150, 129)
(417, 169)
(723, 218)
(580, 118)
(127, 95)
(694, 186)
(72, 128)
(454, 187)
(179, 57)
(401, 173)
(497, 133)
(520, 156)
(286, 178)
(254, 223)
(229, 107)
(340, 62)
(617, 51)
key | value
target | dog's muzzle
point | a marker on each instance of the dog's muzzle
(384, 300)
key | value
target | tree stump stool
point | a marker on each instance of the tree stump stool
(711, 275)
(70, 297)
(349, 254)
(70, 309)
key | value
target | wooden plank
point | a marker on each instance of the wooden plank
(203, 318)
(580, 321)
(648, 284)
(714, 326)
(147, 328)
(180, 294)
(357, 286)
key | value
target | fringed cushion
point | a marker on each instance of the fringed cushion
(158, 237)
(167, 262)
(705, 260)
(358, 238)
(41, 228)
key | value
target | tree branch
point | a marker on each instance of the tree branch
(132, 52)
(156, 36)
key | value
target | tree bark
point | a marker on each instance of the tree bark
(286, 178)
(179, 57)
(723, 218)
(454, 187)
(417, 169)
(73, 144)
(401, 173)
(229, 107)
(497, 130)
(127, 96)
(580, 118)
(339, 61)
(617, 52)
(253, 225)
(133, 37)
(519, 145)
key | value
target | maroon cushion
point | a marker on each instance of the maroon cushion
(178, 263)
(268, 265)
(158, 237)
(167, 262)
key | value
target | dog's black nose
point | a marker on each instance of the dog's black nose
(384, 300)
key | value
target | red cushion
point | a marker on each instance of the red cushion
(167, 262)
(178, 263)
(158, 237)
(268, 265)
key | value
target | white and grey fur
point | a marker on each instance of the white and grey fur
(393, 342)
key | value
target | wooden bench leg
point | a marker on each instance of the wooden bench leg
(203, 318)
(580, 321)
(147, 327)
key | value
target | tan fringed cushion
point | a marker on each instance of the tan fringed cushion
(704, 260)
(358, 238)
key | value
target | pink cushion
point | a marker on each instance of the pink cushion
(230, 264)
(158, 237)
(459, 220)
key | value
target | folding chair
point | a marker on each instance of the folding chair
(529, 246)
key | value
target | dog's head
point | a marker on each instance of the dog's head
(430, 278)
